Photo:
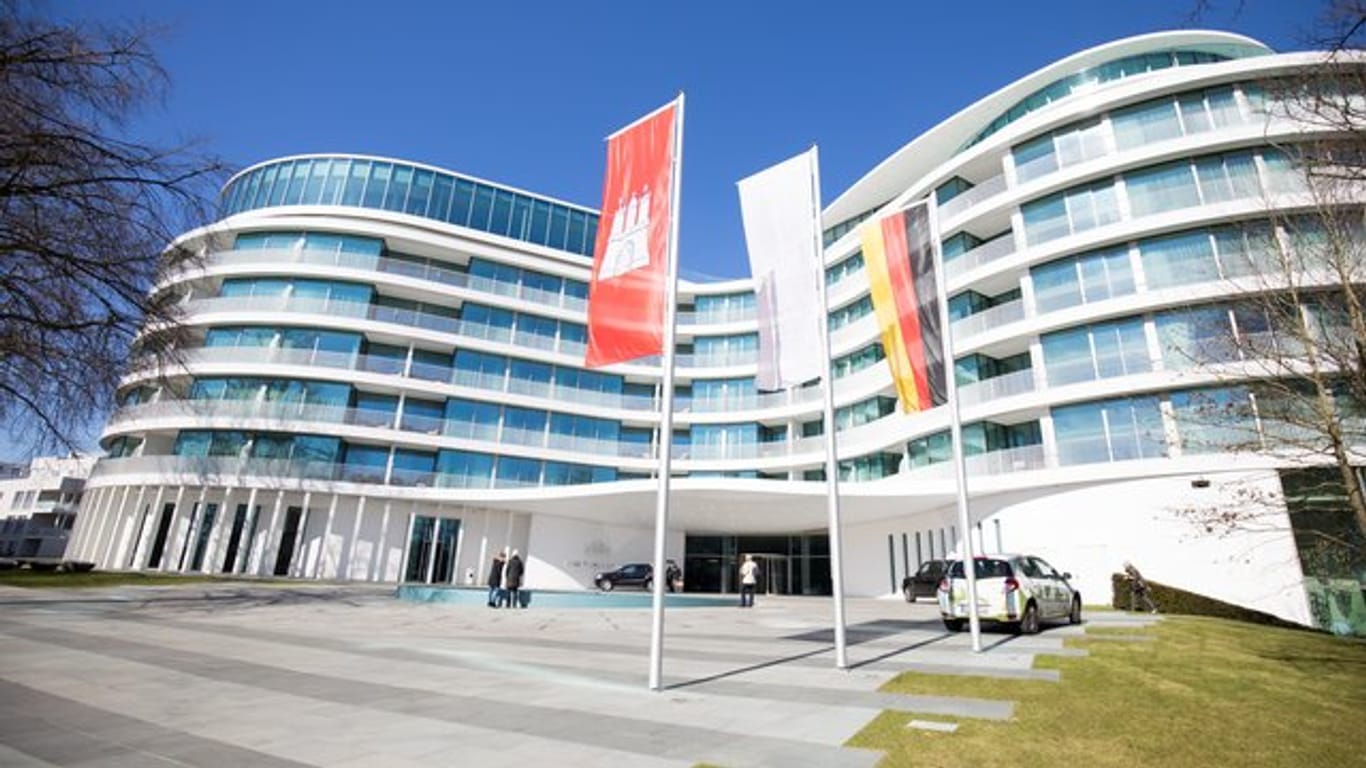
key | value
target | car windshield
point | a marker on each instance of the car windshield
(986, 568)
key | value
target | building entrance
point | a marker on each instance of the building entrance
(788, 565)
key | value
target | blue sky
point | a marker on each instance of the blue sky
(523, 93)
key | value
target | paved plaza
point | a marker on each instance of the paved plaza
(272, 675)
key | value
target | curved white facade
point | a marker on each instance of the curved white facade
(379, 349)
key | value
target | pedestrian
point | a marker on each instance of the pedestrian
(749, 578)
(512, 580)
(673, 576)
(1138, 589)
(496, 581)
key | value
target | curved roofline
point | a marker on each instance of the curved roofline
(424, 166)
(885, 180)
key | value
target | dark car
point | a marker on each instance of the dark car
(629, 575)
(924, 582)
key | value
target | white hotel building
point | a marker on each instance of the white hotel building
(385, 380)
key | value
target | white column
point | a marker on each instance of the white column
(168, 546)
(407, 542)
(296, 566)
(327, 536)
(80, 532)
(83, 548)
(246, 538)
(431, 547)
(222, 525)
(129, 540)
(116, 531)
(269, 541)
(350, 558)
(142, 550)
(196, 522)
(377, 558)
(458, 577)
(101, 532)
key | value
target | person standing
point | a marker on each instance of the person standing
(749, 579)
(1138, 589)
(496, 581)
(673, 576)
(512, 580)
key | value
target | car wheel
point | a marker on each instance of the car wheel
(648, 584)
(909, 593)
(953, 625)
(1029, 622)
(605, 585)
(1075, 616)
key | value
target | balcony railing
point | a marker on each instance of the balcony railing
(987, 252)
(987, 189)
(439, 323)
(1015, 383)
(995, 317)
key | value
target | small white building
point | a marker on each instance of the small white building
(38, 504)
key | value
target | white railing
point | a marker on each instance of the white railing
(987, 252)
(995, 317)
(1015, 383)
(987, 189)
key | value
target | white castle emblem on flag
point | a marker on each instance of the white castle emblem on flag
(628, 241)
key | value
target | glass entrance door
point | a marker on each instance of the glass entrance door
(774, 577)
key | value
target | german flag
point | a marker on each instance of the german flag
(899, 258)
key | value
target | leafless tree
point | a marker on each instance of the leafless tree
(86, 213)
(1295, 354)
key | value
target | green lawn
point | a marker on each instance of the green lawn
(27, 578)
(1206, 692)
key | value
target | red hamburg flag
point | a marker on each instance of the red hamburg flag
(626, 296)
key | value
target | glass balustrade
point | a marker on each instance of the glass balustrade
(1015, 383)
(995, 317)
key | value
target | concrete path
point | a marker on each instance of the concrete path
(348, 676)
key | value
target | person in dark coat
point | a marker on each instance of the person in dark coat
(496, 593)
(1138, 589)
(512, 580)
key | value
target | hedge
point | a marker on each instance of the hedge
(1173, 600)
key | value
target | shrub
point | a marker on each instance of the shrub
(1173, 600)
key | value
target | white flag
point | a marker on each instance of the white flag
(782, 229)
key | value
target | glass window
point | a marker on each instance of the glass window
(419, 191)
(1163, 188)
(1215, 420)
(1045, 219)
(1227, 177)
(1178, 259)
(440, 205)
(501, 219)
(377, 185)
(461, 203)
(559, 226)
(1145, 124)
(474, 470)
(514, 471)
(314, 185)
(336, 180)
(353, 192)
(482, 208)
(1194, 337)
(295, 194)
(192, 443)
(1034, 158)
(367, 455)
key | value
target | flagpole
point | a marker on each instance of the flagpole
(666, 428)
(832, 477)
(955, 426)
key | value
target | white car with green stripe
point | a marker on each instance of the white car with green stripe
(1023, 590)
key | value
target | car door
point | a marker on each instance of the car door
(1058, 599)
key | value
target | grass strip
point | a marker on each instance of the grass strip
(1204, 692)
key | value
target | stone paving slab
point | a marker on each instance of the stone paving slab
(346, 675)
